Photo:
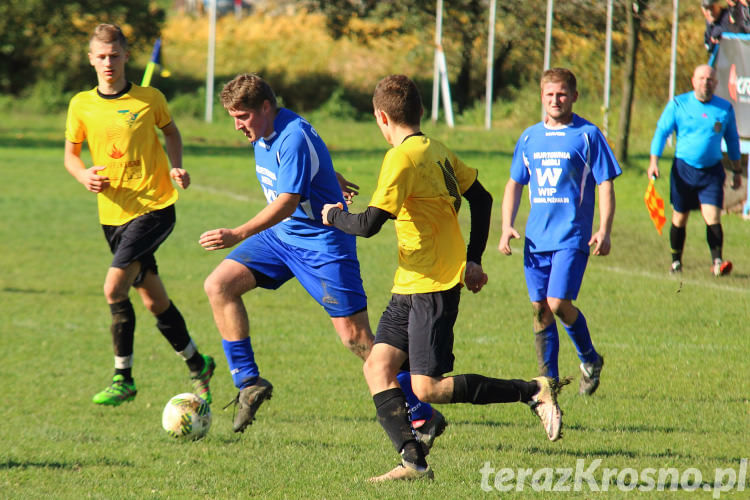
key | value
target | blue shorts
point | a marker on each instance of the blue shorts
(334, 281)
(692, 187)
(556, 274)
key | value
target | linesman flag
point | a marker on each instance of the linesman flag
(152, 64)
(655, 206)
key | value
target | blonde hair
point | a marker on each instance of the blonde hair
(109, 33)
(558, 75)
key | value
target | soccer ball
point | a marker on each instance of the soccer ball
(186, 416)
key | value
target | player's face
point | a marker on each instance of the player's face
(108, 59)
(254, 123)
(558, 100)
(704, 83)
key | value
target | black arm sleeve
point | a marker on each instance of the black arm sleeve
(480, 205)
(364, 224)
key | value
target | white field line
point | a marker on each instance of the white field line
(220, 192)
(682, 282)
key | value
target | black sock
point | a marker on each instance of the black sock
(127, 373)
(715, 239)
(172, 325)
(393, 417)
(481, 390)
(677, 241)
(122, 327)
(196, 363)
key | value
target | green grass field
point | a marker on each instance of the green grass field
(674, 392)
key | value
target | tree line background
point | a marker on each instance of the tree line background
(331, 52)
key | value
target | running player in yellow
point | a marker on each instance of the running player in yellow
(421, 184)
(133, 183)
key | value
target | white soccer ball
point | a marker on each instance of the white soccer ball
(186, 416)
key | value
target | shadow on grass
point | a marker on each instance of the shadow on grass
(11, 464)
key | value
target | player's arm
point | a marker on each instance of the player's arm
(732, 139)
(601, 238)
(480, 208)
(664, 128)
(367, 223)
(509, 210)
(89, 177)
(173, 145)
(348, 189)
(273, 213)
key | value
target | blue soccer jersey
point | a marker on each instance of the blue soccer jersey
(294, 159)
(562, 167)
(700, 128)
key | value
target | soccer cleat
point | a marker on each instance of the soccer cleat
(119, 392)
(404, 472)
(676, 267)
(722, 268)
(200, 381)
(544, 405)
(430, 429)
(590, 377)
(248, 401)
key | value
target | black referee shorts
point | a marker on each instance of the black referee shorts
(421, 325)
(138, 239)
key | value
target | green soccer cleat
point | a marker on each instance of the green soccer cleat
(200, 381)
(119, 392)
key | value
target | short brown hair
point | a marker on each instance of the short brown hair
(247, 92)
(399, 97)
(559, 75)
(109, 33)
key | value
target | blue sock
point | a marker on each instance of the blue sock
(417, 409)
(547, 349)
(241, 362)
(579, 334)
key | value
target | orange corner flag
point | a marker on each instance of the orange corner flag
(655, 206)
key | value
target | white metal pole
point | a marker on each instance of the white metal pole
(447, 106)
(490, 68)
(673, 61)
(438, 50)
(210, 61)
(607, 68)
(548, 38)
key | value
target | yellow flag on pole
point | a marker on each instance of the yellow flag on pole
(655, 206)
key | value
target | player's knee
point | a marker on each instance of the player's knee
(214, 287)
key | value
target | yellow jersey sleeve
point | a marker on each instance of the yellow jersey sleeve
(395, 182)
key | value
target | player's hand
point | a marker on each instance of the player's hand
(216, 239)
(736, 180)
(348, 189)
(326, 208)
(181, 177)
(508, 234)
(475, 277)
(92, 181)
(601, 242)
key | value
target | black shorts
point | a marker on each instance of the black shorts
(138, 239)
(421, 325)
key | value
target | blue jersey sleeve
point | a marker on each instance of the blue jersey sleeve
(294, 166)
(731, 136)
(664, 127)
(519, 167)
(604, 166)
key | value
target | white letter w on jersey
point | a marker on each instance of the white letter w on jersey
(549, 175)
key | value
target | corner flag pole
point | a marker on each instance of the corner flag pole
(548, 38)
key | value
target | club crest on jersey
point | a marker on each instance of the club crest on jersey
(130, 118)
(717, 127)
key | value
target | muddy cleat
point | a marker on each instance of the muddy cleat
(544, 405)
(590, 377)
(404, 471)
(430, 429)
(676, 267)
(119, 392)
(722, 268)
(200, 381)
(248, 401)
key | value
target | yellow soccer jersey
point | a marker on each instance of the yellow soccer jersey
(122, 137)
(421, 182)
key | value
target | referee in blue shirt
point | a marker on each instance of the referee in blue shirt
(701, 121)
